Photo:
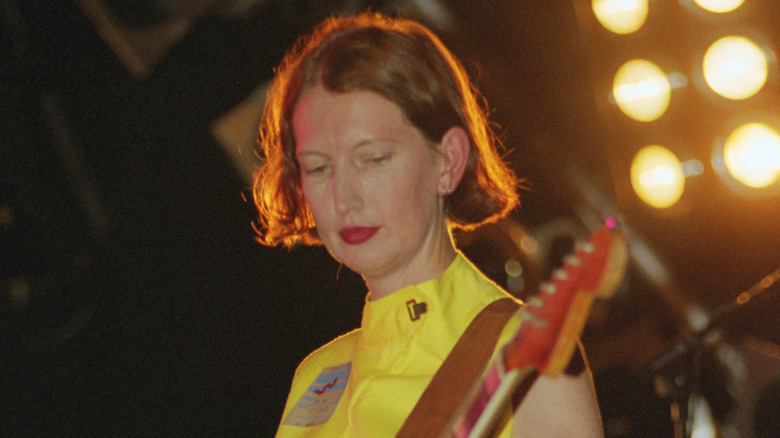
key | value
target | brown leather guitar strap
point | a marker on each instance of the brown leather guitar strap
(458, 371)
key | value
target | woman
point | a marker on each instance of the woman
(375, 145)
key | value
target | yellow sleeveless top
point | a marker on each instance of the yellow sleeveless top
(365, 383)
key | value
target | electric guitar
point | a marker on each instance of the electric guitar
(553, 320)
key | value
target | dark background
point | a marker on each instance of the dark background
(136, 301)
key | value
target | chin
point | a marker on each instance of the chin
(361, 265)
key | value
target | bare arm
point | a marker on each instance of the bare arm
(559, 406)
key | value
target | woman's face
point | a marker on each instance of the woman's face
(372, 183)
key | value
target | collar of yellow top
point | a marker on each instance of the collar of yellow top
(452, 299)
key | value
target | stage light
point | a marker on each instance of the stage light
(621, 16)
(735, 67)
(719, 6)
(657, 176)
(641, 90)
(752, 155)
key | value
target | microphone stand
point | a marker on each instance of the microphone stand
(677, 371)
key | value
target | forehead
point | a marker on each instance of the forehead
(323, 118)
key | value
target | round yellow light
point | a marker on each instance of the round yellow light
(641, 90)
(719, 6)
(657, 176)
(752, 155)
(735, 67)
(621, 16)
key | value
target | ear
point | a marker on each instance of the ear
(455, 147)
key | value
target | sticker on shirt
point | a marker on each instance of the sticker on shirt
(319, 402)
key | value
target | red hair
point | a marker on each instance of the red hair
(404, 62)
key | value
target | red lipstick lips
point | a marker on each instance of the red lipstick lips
(357, 235)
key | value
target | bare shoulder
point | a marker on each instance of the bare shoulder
(559, 406)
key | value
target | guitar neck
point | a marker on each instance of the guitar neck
(486, 401)
(552, 322)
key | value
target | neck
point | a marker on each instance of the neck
(425, 266)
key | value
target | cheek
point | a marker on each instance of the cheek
(313, 200)
(415, 195)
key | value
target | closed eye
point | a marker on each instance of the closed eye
(312, 163)
(314, 170)
(375, 160)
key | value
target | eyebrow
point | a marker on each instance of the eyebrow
(356, 146)
(308, 152)
(365, 143)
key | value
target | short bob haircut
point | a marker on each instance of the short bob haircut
(405, 63)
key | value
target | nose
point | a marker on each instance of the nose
(346, 191)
